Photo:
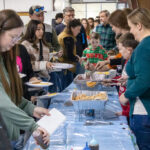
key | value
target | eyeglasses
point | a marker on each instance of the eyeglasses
(38, 9)
(70, 15)
(15, 39)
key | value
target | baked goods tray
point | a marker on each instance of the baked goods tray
(93, 100)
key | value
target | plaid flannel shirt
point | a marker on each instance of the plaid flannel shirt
(107, 36)
(93, 56)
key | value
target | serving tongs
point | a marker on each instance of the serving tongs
(97, 122)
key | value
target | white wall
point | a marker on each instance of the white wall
(1, 5)
(24, 5)
(64, 3)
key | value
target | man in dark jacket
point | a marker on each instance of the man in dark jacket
(58, 20)
(69, 14)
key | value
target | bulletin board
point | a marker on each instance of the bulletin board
(23, 13)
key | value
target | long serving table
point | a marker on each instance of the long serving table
(73, 134)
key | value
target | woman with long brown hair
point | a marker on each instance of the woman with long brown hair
(67, 40)
(86, 26)
(118, 22)
(91, 23)
(14, 109)
(38, 49)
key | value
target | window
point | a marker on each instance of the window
(80, 10)
(93, 10)
(109, 6)
(86, 10)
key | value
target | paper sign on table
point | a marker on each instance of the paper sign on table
(52, 122)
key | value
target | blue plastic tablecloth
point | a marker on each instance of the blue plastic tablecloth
(73, 134)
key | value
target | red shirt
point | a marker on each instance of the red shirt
(125, 108)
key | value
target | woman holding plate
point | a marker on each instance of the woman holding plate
(67, 40)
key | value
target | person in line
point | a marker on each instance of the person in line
(81, 44)
(105, 31)
(37, 13)
(58, 20)
(15, 110)
(138, 71)
(38, 49)
(96, 22)
(126, 44)
(24, 67)
(118, 21)
(86, 26)
(67, 40)
(69, 15)
(93, 53)
(91, 23)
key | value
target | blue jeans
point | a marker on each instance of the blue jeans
(140, 125)
(58, 82)
(18, 145)
(67, 78)
(53, 79)
(13, 144)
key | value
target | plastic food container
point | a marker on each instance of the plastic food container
(83, 86)
(81, 78)
(80, 81)
(112, 73)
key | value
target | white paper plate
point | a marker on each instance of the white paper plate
(55, 70)
(48, 95)
(62, 65)
(22, 75)
(41, 84)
